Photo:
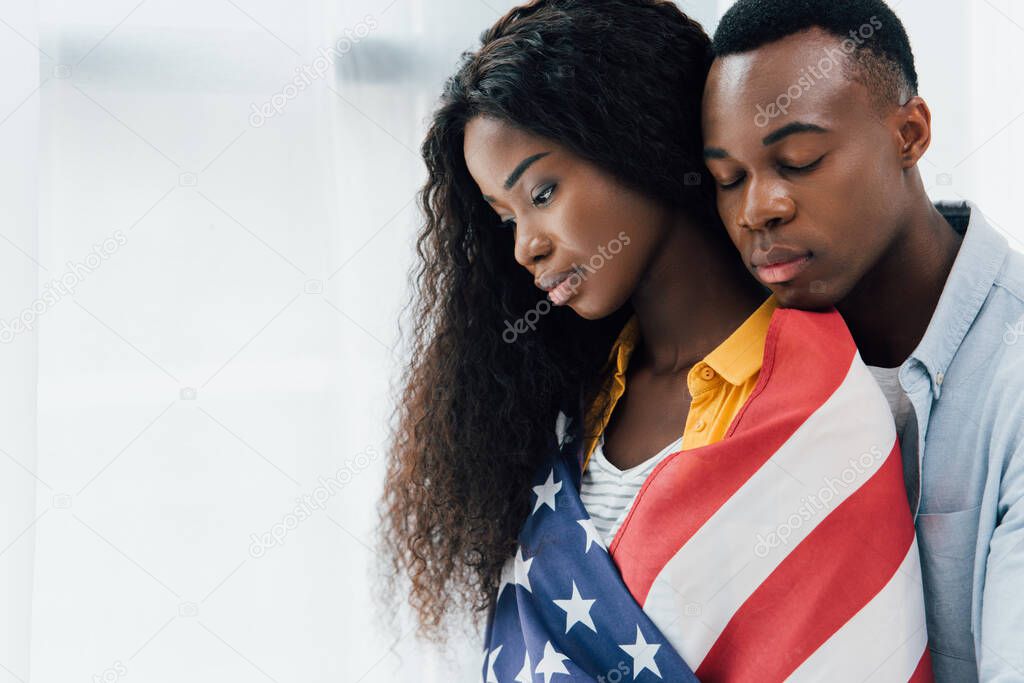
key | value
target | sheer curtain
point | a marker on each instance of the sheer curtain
(19, 121)
(235, 179)
(225, 201)
(987, 164)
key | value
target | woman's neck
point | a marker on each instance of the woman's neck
(694, 294)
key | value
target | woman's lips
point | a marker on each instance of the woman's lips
(561, 286)
(782, 271)
(561, 294)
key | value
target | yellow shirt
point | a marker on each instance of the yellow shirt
(719, 385)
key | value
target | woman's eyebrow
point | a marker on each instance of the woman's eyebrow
(516, 174)
(514, 177)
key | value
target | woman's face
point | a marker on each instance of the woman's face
(580, 233)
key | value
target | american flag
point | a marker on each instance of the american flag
(785, 551)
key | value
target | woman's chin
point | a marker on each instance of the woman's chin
(585, 308)
(579, 308)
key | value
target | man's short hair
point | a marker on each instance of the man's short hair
(878, 49)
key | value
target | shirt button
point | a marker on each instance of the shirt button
(939, 377)
(700, 426)
(707, 374)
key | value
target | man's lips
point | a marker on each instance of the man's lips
(779, 264)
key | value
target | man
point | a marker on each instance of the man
(814, 129)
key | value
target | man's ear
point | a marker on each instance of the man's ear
(914, 130)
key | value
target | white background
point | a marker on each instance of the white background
(242, 342)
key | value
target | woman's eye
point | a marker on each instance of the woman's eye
(731, 183)
(544, 196)
(540, 199)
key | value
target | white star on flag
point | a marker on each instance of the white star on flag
(525, 675)
(508, 575)
(491, 676)
(642, 653)
(553, 663)
(516, 570)
(562, 423)
(546, 492)
(591, 530)
(523, 569)
(577, 610)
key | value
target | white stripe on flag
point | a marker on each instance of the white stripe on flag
(881, 643)
(699, 590)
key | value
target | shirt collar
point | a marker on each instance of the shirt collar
(739, 357)
(981, 256)
(624, 346)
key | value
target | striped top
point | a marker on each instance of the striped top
(608, 492)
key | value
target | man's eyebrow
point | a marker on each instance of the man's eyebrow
(771, 138)
(791, 129)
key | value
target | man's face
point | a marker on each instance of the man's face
(809, 170)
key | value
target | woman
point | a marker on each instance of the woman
(571, 250)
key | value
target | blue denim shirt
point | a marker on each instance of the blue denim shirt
(965, 478)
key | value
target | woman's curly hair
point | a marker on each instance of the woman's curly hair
(619, 84)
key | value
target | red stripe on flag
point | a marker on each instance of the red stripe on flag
(923, 672)
(684, 491)
(838, 568)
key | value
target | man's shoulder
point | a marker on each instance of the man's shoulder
(999, 322)
(1011, 278)
(996, 340)
(1002, 315)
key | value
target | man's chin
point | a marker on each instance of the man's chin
(813, 297)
